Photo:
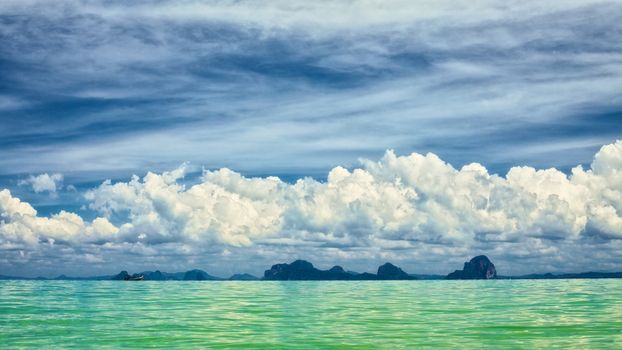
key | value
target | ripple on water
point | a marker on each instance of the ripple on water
(310, 315)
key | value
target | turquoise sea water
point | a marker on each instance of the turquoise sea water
(525, 314)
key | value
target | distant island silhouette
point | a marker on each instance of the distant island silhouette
(301, 270)
(478, 268)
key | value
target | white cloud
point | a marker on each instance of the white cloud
(398, 203)
(44, 182)
(20, 223)
(413, 198)
(162, 210)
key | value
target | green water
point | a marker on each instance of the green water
(310, 315)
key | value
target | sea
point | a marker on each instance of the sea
(493, 314)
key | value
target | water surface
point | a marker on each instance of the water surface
(309, 315)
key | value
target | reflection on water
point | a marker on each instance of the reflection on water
(310, 315)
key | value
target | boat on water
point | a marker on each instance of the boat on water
(135, 278)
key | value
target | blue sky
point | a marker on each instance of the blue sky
(103, 90)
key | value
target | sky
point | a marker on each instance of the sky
(232, 135)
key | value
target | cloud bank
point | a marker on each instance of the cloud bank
(410, 206)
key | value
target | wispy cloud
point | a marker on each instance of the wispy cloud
(306, 86)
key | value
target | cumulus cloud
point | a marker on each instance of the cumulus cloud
(19, 223)
(411, 198)
(44, 182)
(394, 204)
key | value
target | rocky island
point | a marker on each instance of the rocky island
(301, 270)
(478, 268)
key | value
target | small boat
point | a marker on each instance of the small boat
(135, 278)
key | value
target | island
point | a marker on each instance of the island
(301, 270)
(477, 268)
